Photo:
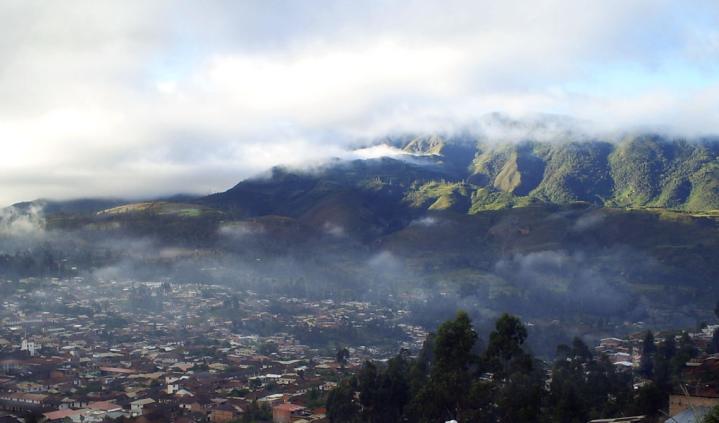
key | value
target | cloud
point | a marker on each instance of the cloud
(386, 262)
(426, 222)
(140, 98)
(588, 221)
(334, 230)
(575, 281)
(239, 230)
(15, 223)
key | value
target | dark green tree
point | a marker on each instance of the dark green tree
(518, 380)
(341, 404)
(419, 369)
(713, 346)
(712, 416)
(343, 356)
(646, 365)
(384, 393)
(446, 395)
(504, 351)
(580, 351)
(650, 401)
(663, 375)
(584, 387)
(686, 351)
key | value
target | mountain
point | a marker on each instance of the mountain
(76, 206)
(469, 175)
(91, 206)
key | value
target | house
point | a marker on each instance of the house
(612, 343)
(61, 415)
(31, 387)
(73, 403)
(272, 399)
(105, 406)
(116, 371)
(23, 402)
(283, 413)
(85, 415)
(223, 413)
(137, 406)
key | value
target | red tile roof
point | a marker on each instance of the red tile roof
(103, 405)
(288, 407)
(61, 414)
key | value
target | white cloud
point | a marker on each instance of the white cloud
(135, 98)
(18, 224)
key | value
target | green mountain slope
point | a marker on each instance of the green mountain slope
(467, 174)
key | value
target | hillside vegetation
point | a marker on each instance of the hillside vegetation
(470, 175)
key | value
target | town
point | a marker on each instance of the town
(81, 350)
(154, 351)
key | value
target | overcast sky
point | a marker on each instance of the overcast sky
(137, 98)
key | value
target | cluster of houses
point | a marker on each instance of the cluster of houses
(73, 351)
(699, 391)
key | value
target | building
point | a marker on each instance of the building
(223, 413)
(61, 415)
(137, 406)
(283, 413)
(23, 402)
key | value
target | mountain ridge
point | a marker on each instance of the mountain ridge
(469, 174)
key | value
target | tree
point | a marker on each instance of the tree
(646, 365)
(504, 350)
(563, 353)
(419, 370)
(395, 388)
(268, 348)
(518, 381)
(663, 363)
(343, 356)
(584, 387)
(713, 346)
(261, 412)
(368, 388)
(650, 400)
(449, 380)
(446, 394)
(712, 416)
(686, 351)
(453, 345)
(580, 351)
(341, 405)
(520, 398)
(384, 393)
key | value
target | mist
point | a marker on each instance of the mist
(584, 286)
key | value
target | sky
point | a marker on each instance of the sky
(137, 98)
